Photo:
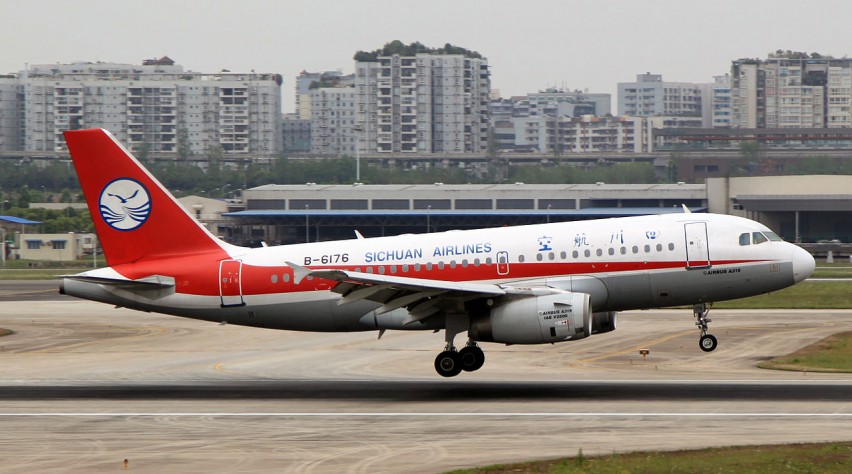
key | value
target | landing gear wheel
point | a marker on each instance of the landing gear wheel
(472, 358)
(448, 364)
(707, 343)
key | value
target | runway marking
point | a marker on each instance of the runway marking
(428, 414)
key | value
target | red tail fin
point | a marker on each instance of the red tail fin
(134, 215)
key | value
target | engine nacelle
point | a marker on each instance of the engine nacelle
(604, 322)
(536, 320)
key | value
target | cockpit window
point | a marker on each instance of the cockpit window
(758, 238)
(773, 236)
(745, 239)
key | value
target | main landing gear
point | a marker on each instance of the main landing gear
(707, 342)
(451, 362)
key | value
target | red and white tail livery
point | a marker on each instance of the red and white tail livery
(513, 285)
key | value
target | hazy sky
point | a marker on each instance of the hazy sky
(530, 45)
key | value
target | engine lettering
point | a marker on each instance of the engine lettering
(722, 271)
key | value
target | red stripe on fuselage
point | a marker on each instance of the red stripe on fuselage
(197, 275)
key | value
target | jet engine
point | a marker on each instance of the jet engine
(604, 322)
(536, 319)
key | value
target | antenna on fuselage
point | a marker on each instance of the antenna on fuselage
(686, 209)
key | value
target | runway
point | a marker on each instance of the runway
(85, 386)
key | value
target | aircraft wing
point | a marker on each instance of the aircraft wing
(422, 297)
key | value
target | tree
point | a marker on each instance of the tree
(184, 147)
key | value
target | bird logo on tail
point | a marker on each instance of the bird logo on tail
(124, 204)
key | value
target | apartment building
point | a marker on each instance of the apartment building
(155, 108)
(792, 91)
(716, 111)
(11, 114)
(649, 95)
(423, 103)
(333, 121)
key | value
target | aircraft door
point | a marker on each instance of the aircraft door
(697, 247)
(503, 263)
(230, 284)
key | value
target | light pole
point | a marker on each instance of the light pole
(307, 228)
(357, 129)
(429, 219)
(3, 246)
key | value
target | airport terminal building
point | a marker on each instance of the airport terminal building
(799, 208)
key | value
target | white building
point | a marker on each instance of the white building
(423, 103)
(650, 96)
(333, 121)
(792, 91)
(154, 108)
(55, 247)
(716, 110)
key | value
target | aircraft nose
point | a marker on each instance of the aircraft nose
(803, 264)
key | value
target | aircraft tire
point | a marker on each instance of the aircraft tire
(708, 343)
(472, 358)
(448, 364)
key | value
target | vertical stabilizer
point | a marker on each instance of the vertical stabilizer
(136, 218)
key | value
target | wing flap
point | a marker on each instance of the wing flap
(394, 291)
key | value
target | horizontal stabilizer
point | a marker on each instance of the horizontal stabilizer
(153, 282)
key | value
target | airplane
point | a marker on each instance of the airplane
(531, 284)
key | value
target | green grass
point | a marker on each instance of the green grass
(44, 270)
(805, 295)
(839, 269)
(832, 354)
(792, 458)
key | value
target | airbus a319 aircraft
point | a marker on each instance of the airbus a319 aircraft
(531, 284)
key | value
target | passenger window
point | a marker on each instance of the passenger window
(744, 239)
(758, 238)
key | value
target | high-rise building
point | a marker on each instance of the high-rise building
(156, 107)
(333, 124)
(426, 102)
(792, 90)
(308, 81)
(650, 96)
(11, 114)
(717, 104)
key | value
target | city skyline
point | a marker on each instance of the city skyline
(530, 46)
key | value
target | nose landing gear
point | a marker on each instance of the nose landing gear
(707, 342)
